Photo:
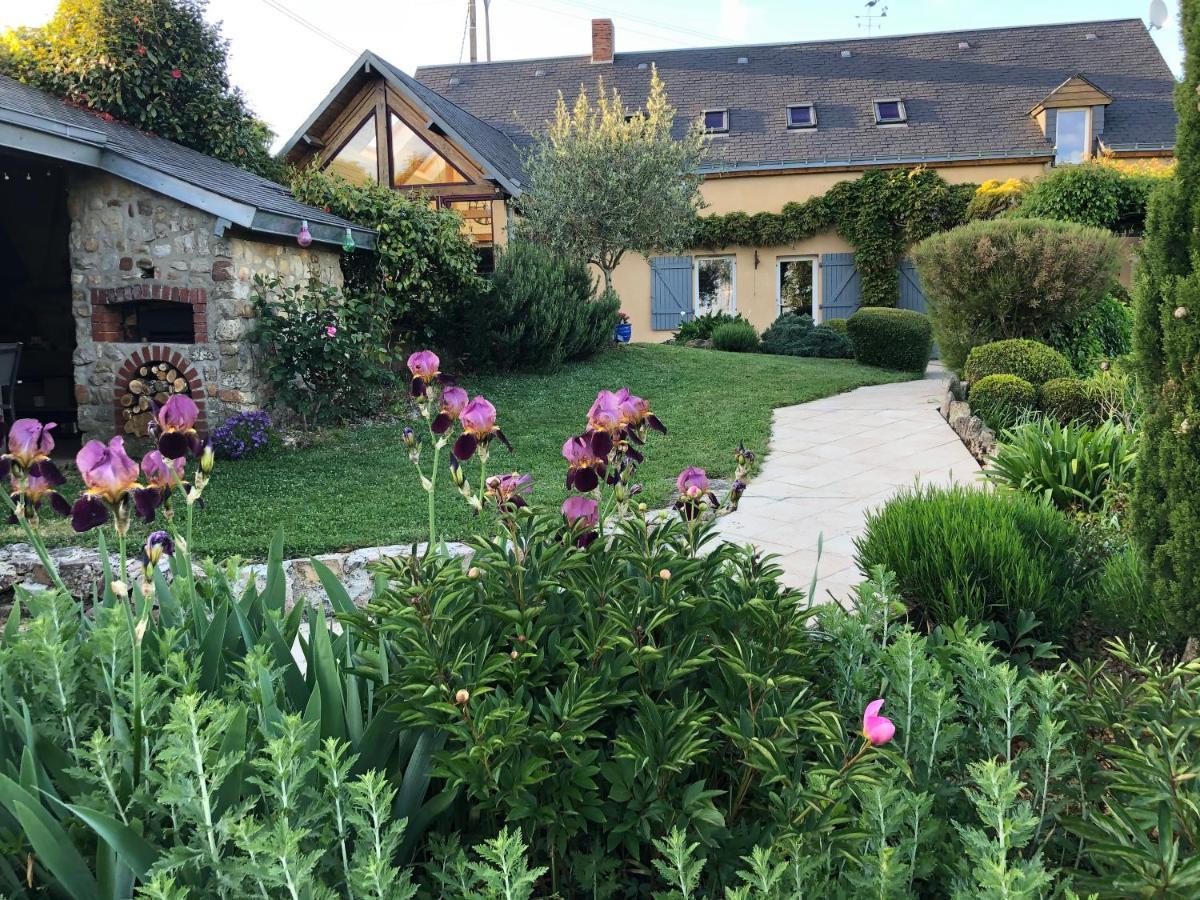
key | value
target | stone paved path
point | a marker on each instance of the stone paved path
(832, 460)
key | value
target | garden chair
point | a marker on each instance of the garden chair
(10, 364)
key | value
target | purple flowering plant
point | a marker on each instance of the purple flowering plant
(245, 435)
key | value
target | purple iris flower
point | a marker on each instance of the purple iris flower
(478, 420)
(424, 367)
(508, 490)
(693, 487)
(162, 477)
(29, 442)
(108, 475)
(174, 427)
(585, 465)
(582, 513)
(40, 485)
(454, 401)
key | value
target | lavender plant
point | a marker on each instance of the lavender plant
(244, 435)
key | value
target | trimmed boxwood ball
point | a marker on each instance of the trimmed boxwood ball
(1029, 360)
(891, 338)
(1000, 400)
(735, 337)
(1068, 400)
(838, 325)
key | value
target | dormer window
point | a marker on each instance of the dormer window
(890, 112)
(801, 115)
(1072, 135)
(716, 121)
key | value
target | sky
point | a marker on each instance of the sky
(286, 67)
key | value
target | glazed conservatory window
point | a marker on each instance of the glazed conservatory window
(358, 159)
(414, 162)
(477, 219)
(1071, 132)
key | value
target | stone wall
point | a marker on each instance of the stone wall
(128, 243)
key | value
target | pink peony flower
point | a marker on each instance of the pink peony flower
(876, 728)
(330, 331)
(175, 73)
(692, 482)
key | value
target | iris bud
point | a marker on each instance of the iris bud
(409, 438)
(207, 459)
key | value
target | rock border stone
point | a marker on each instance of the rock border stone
(977, 437)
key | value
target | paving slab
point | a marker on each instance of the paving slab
(830, 462)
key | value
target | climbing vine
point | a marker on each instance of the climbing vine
(880, 215)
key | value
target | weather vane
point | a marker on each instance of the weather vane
(870, 19)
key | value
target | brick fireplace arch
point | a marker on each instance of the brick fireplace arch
(149, 356)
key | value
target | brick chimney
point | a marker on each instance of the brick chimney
(602, 41)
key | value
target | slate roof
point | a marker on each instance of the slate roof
(962, 103)
(40, 113)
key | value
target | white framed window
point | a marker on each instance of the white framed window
(714, 284)
(716, 121)
(796, 285)
(890, 111)
(801, 115)
(1072, 135)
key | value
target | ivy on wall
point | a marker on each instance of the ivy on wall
(880, 215)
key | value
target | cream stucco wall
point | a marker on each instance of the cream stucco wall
(755, 277)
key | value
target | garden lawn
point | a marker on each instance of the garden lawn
(356, 487)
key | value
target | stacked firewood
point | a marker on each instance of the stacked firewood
(153, 383)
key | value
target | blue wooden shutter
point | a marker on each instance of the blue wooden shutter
(841, 286)
(912, 296)
(670, 292)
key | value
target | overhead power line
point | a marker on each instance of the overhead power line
(305, 23)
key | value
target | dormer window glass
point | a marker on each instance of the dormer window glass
(716, 121)
(1072, 135)
(890, 112)
(802, 115)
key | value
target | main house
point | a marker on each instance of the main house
(786, 121)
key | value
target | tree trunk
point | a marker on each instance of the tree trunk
(607, 272)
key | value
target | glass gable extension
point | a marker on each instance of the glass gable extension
(358, 159)
(414, 162)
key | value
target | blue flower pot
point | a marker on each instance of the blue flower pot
(622, 333)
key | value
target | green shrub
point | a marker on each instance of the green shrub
(1032, 361)
(1103, 332)
(1001, 400)
(324, 358)
(422, 264)
(891, 338)
(1073, 466)
(796, 335)
(1069, 400)
(701, 328)
(1011, 278)
(962, 552)
(838, 325)
(735, 337)
(537, 312)
(1124, 606)
(1090, 194)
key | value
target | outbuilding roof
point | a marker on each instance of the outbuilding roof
(967, 94)
(36, 122)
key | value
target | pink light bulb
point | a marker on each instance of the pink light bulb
(304, 238)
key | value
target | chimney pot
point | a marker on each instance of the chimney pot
(602, 41)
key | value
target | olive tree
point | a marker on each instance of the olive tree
(605, 181)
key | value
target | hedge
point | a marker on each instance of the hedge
(891, 338)
(1029, 360)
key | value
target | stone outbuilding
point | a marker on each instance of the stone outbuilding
(127, 264)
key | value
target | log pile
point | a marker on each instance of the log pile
(152, 384)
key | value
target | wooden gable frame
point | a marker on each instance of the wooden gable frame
(1076, 91)
(379, 98)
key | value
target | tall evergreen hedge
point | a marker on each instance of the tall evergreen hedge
(1166, 509)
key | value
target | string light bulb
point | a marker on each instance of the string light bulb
(348, 244)
(304, 238)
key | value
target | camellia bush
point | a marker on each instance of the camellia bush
(156, 64)
(1011, 278)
